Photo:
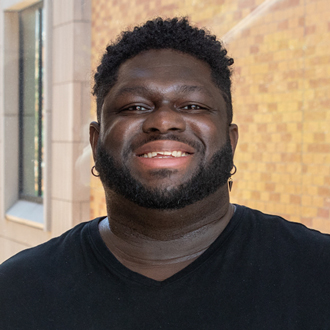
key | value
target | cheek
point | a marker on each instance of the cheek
(118, 133)
(209, 132)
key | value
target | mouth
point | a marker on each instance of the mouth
(164, 149)
(164, 154)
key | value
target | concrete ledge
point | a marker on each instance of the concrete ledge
(28, 213)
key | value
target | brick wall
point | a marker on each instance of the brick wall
(281, 95)
(281, 102)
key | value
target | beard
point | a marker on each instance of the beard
(206, 180)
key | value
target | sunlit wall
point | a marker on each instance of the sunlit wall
(280, 92)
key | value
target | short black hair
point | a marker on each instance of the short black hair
(176, 34)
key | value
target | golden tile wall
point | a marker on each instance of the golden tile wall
(280, 93)
(281, 103)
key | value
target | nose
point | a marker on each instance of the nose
(163, 120)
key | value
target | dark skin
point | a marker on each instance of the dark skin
(162, 92)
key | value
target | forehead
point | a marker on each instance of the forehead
(164, 58)
(166, 65)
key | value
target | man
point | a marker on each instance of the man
(172, 253)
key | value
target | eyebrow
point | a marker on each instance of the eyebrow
(183, 89)
(142, 91)
(138, 90)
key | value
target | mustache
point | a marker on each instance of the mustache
(199, 147)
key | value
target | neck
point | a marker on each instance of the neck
(148, 239)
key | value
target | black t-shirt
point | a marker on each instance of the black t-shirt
(262, 272)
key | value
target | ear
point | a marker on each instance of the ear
(233, 135)
(94, 132)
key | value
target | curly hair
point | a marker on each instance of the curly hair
(176, 34)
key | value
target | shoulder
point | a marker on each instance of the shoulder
(285, 251)
(44, 257)
(276, 223)
(275, 230)
(33, 279)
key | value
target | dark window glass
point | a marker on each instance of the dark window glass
(31, 112)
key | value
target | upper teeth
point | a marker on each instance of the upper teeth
(164, 153)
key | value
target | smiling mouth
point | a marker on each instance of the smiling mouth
(165, 154)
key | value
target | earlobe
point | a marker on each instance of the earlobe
(233, 135)
(94, 132)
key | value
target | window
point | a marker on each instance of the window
(44, 85)
(23, 177)
(31, 110)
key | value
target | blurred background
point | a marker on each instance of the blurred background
(49, 51)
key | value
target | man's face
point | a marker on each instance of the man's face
(164, 140)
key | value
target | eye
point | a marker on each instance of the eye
(136, 108)
(192, 107)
